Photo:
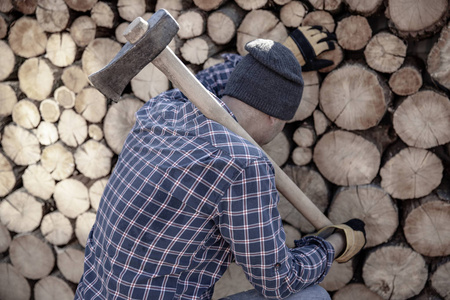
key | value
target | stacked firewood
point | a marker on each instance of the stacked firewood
(371, 138)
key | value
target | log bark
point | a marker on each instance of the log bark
(439, 280)
(8, 99)
(83, 30)
(353, 33)
(52, 288)
(131, 9)
(57, 160)
(365, 8)
(98, 54)
(310, 96)
(301, 156)
(20, 212)
(385, 52)
(251, 4)
(199, 49)
(20, 145)
(74, 79)
(279, 148)
(61, 49)
(395, 272)
(292, 13)
(93, 159)
(26, 38)
(431, 114)
(411, 173)
(149, 82)
(81, 5)
(223, 23)
(7, 60)
(72, 128)
(49, 110)
(208, 5)
(372, 205)
(96, 192)
(346, 159)
(36, 78)
(426, 224)
(338, 276)
(70, 262)
(38, 181)
(192, 23)
(83, 226)
(103, 15)
(321, 18)
(354, 98)
(71, 197)
(13, 286)
(47, 133)
(438, 59)
(26, 114)
(407, 80)
(56, 228)
(356, 291)
(91, 105)
(7, 177)
(52, 15)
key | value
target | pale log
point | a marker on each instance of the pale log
(208, 5)
(353, 32)
(103, 15)
(281, 2)
(372, 205)
(338, 276)
(304, 135)
(8, 99)
(197, 50)
(407, 80)
(95, 132)
(259, 24)
(336, 55)
(70, 262)
(93, 159)
(439, 279)
(223, 23)
(81, 5)
(26, 38)
(438, 61)
(118, 122)
(174, 7)
(192, 23)
(61, 49)
(321, 122)
(83, 30)
(279, 148)
(292, 234)
(321, 18)
(49, 110)
(333, 6)
(52, 15)
(346, 158)
(72, 128)
(32, 257)
(315, 188)
(56, 228)
(130, 9)
(74, 79)
(251, 4)
(426, 224)
(57, 160)
(36, 78)
(83, 226)
(292, 13)
(98, 54)
(91, 104)
(416, 19)
(71, 197)
(364, 7)
(52, 288)
(301, 156)
(96, 192)
(385, 52)
(5, 238)
(26, 114)
(395, 272)
(7, 60)
(354, 97)
(6, 6)
(27, 7)
(411, 173)
(13, 285)
(149, 82)
(233, 281)
(119, 32)
(3, 27)
(430, 112)
(47, 133)
(213, 60)
(310, 96)
(7, 177)
(356, 291)
(20, 145)
(20, 212)
(65, 97)
(38, 181)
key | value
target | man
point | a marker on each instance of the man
(188, 196)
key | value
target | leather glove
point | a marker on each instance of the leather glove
(355, 236)
(307, 42)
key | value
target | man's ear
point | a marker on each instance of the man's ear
(272, 120)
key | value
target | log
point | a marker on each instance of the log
(71, 197)
(74, 79)
(395, 272)
(278, 149)
(6, 6)
(26, 38)
(439, 279)
(407, 80)
(98, 54)
(49, 110)
(149, 82)
(232, 281)
(281, 2)
(315, 188)
(356, 291)
(56, 228)
(7, 60)
(198, 50)
(57, 160)
(292, 234)
(353, 33)
(338, 276)
(20, 212)
(251, 4)
(8, 99)
(310, 96)
(91, 104)
(83, 226)
(208, 5)
(52, 15)
(20, 145)
(438, 59)
(431, 114)
(354, 97)
(72, 128)
(416, 19)
(131, 9)
(321, 18)
(385, 52)
(369, 203)
(321, 122)
(26, 114)
(3, 27)
(27, 7)
(336, 56)
(95, 132)
(83, 30)
(13, 286)
(70, 262)
(7, 177)
(61, 49)
(96, 192)
(223, 23)
(365, 8)
(38, 181)
(5, 238)
(174, 7)
(332, 6)
(32, 257)
(93, 159)
(304, 135)
(52, 288)
(426, 224)
(36, 78)
(259, 24)
(118, 122)
(192, 23)
(292, 13)
(411, 173)
(81, 5)
(103, 15)
(301, 156)
(119, 32)
(65, 97)
(346, 159)
(47, 133)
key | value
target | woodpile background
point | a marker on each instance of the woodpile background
(371, 138)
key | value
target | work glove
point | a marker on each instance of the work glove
(307, 42)
(355, 236)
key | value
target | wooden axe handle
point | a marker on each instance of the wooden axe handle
(183, 79)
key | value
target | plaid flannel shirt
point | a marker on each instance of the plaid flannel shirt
(186, 197)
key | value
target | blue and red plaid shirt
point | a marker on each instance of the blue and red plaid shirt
(187, 197)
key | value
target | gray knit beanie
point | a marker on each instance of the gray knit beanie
(268, 78)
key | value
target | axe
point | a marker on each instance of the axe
(147, 42)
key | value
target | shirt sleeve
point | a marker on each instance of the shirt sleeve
(249, 221)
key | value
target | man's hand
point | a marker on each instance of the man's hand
(307, 42)
(355, 237)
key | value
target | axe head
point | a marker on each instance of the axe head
(112, 79)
